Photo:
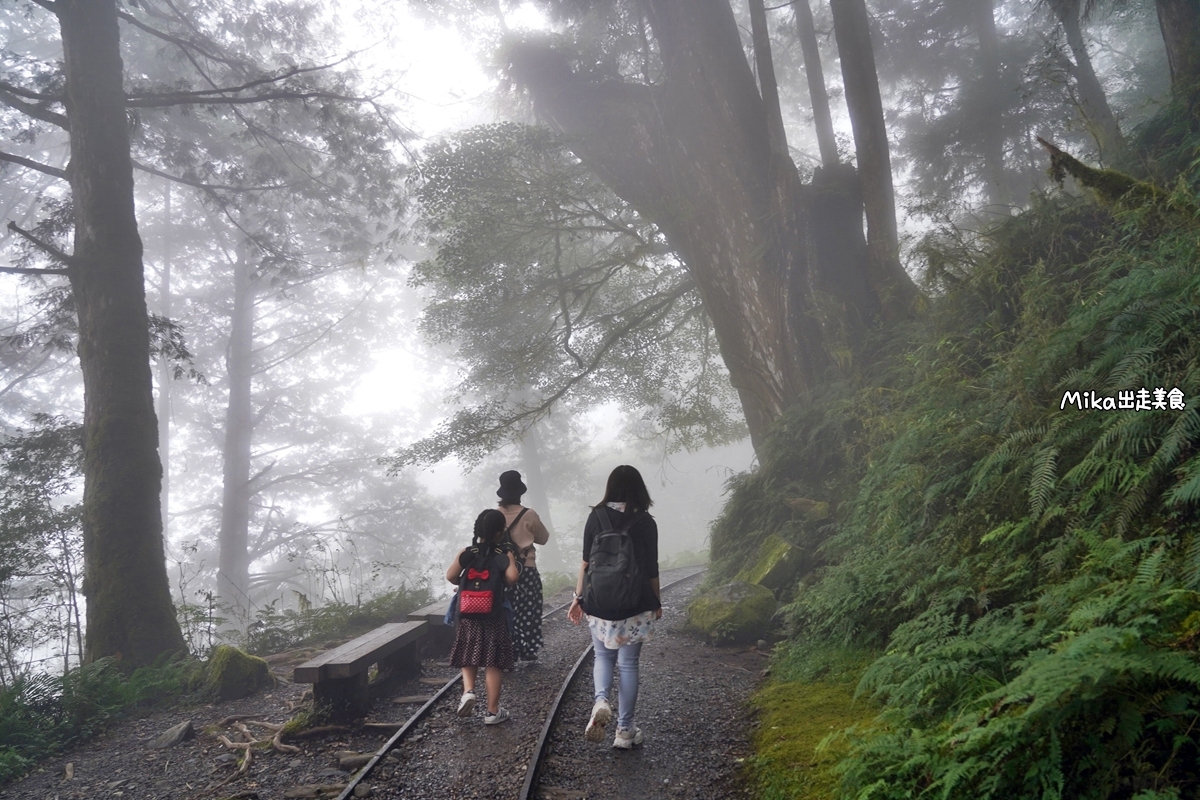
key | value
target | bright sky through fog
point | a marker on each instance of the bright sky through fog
(444, 88)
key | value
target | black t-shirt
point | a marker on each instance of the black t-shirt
(644, 533)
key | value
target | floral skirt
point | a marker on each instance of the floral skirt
(617, 632)
(482, 643)
(526, 598)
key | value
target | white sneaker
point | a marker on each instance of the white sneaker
(601, 714)
(627, 738)
(467, 704)
(495, 719)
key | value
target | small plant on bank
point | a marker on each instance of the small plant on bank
(41, 714)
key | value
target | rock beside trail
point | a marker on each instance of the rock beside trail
(172, 736)
(735, 612)
(234, 674)
(775, 565)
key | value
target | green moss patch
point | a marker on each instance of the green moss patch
(234, 674)
(775, 565)
(735, 612)
(795, 717)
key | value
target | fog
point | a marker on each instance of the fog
(411, 254)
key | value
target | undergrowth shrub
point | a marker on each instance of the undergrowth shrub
(274, 631)
(1029, 570)
(41, 714)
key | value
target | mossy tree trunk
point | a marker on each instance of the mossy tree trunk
(129, 611)
(806, 31)
(693, 153)
(1179, 21)
(988, 72)
(852, 28)
(1093, 102)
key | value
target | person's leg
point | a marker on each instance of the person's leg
(467, 704)
(534, 643)
(602, 668)
(494, 676)
(627, 664)
(602, 674)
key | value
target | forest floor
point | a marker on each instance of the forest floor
(692, 707)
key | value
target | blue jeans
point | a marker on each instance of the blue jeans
(625, 657)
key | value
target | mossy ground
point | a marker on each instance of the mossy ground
(797, 746)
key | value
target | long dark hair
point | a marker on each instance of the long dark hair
(625, 485)
(489, 526)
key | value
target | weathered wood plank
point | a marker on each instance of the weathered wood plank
(434, 614)
(357, 655)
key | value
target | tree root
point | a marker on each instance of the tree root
(319, 731)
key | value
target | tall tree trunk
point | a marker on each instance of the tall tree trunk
(130, 615)
(768, 86)
(531, 461)
(693, 154)
(1093, 103)
(164, 368)
(1179, 21)
(988, 75)
(853, 30)
(233, 574)
(806, 31)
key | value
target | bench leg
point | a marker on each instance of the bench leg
(342, 698)
(404, 661)
(437, 643)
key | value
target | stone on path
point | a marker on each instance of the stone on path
(173, 736)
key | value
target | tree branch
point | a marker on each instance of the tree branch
(232, 89)
(175, 40)
(31, 271)
(45, 247)
(37, 165)
(29, 94)
(430, 449)
(37, 112)
(200, 184)
(186, 99)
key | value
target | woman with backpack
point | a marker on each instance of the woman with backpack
(617, 590)
(481, 636)
(525, 529)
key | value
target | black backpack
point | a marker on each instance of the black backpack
(613, 582)
(481, 584)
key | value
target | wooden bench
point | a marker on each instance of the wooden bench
(440, 638)
(434, 614)
(339, 676)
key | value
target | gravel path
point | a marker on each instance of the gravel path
(449, 758)
(691, 708)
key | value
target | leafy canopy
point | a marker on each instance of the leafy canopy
(552, 291)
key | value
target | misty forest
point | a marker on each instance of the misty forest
(894, 303)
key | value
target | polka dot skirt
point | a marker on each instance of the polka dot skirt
(482, 643)
(526, 599)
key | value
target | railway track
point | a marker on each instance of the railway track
(404, 776)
